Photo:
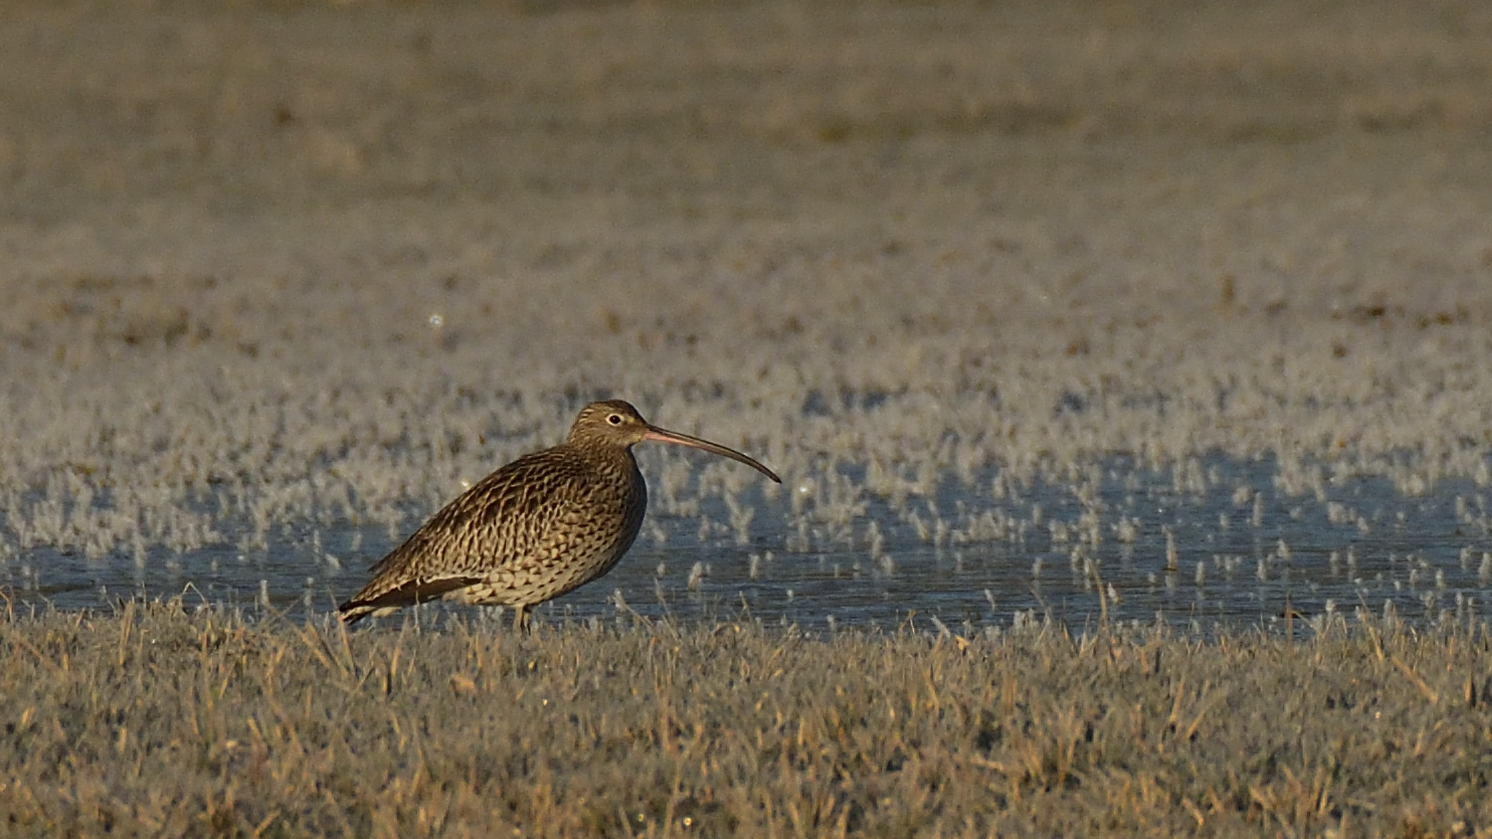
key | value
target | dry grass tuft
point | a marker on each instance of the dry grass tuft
(156, 721)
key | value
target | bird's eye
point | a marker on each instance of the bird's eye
(615, 419)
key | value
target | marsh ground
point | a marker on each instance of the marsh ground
(277, 279)
(163, 721)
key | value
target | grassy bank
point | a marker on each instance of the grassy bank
(157, 721)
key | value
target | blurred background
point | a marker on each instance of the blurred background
(1039, 309)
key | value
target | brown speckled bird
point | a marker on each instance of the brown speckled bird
(542, 526)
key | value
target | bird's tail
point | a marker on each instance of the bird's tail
(351, 612)
(416, 591)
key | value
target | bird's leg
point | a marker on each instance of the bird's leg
(520, 619)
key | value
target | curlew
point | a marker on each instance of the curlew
(542, 526)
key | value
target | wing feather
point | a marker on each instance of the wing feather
(497, 523)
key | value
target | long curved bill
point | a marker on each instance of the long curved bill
(663, 435)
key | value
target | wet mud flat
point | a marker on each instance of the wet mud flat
(165, 720)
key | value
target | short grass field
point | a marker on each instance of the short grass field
(160, 720)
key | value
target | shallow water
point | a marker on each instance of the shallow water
(1216, 543)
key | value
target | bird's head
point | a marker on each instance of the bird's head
(614, 423)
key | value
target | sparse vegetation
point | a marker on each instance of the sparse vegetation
(158, 721)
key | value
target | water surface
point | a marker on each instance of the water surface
(1217, 543)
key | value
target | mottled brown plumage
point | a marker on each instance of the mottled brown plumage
(542, 526)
